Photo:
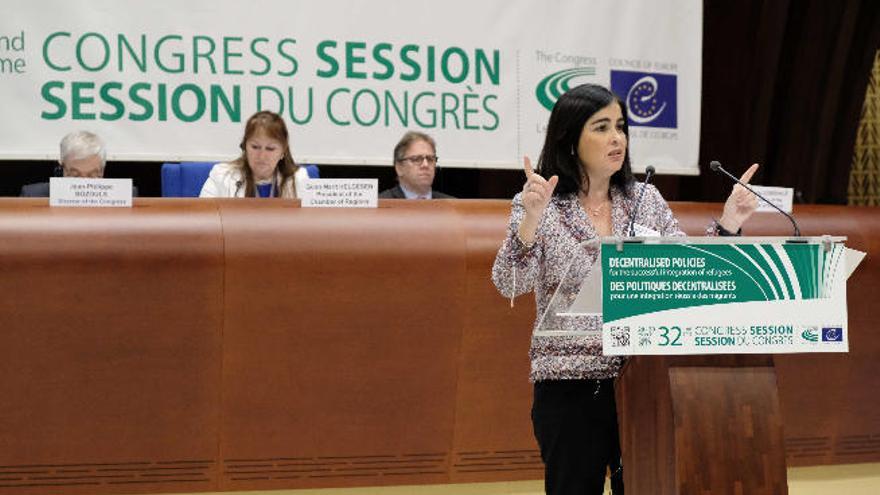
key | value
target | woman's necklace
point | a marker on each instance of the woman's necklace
(595, 212)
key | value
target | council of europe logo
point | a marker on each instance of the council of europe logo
(551, 87)
(650, 97)
(832, 334)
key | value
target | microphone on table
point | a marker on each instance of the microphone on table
(715, 165)
(649, 172)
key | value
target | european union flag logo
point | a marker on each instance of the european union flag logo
(832, 334)
(651, 98)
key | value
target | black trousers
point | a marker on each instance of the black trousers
(575, 423)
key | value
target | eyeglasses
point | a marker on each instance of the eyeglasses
(416, 160)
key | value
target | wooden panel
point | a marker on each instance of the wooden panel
(701, 424)
(830, 402)
(342, 332)
(317, 347)
(109, 360)
(493, 432)
(647, 428)
(728, 431)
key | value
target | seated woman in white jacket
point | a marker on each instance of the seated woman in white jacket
(265, 168)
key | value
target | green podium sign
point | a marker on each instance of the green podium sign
(723, 297)
(704, 295)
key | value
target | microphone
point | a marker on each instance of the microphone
(715, 165)
(649, 172)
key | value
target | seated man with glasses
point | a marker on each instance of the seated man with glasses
(415, 161)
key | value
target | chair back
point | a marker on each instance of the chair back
(185, 179)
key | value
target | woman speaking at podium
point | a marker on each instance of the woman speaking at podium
(583, 189)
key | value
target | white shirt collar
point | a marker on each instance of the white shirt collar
(411, 195)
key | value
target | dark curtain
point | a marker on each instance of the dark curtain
(783, 85)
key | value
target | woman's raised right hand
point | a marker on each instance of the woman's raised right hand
(537, 191)
(535, 197)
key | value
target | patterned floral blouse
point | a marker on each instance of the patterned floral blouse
(575, 351)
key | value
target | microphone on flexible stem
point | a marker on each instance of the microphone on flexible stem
(649, 172)
(715, 165)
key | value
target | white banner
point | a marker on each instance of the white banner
(170, 80)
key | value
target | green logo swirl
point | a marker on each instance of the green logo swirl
(551, 87)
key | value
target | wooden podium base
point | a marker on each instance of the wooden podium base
(701, 425)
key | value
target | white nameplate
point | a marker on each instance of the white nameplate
(341, 193)
(71, 191)
(779, 196)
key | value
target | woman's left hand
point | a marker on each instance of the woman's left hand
(740, 204)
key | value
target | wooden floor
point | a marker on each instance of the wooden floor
(852, 479)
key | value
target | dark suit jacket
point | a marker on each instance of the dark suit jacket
(397, 193)
(41, 190)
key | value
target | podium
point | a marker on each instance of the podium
(697, 400)
(701, 424)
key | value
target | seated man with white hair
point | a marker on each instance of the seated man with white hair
(83, 155)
